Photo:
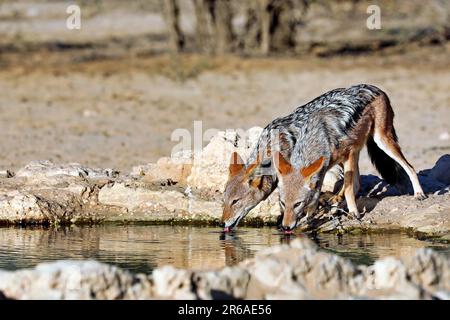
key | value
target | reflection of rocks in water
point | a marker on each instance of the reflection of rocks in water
(366, 248)
(36, 243)
(161, 245)
(143, 248)
(241, 245)
(138, 248)
(235, 249)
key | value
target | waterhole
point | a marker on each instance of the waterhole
(143, 248)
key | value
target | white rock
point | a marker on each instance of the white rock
(332, 178)
(444, 136)
(176, 170)
(170, 282)
(44, 168)
(135, 197)
(210, 169)
(18, 206)
(67, 280)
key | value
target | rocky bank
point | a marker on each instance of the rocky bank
(297, 270)
(188, 188)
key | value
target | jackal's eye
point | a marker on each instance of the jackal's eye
(298, 204)
(234, 201)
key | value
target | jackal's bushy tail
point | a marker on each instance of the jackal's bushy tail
(389, 169)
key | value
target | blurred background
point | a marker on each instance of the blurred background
(111, 93)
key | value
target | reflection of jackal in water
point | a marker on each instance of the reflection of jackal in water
(330, 130)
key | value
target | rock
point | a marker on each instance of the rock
(138, 198)
(142, 203)
(431, 216)
(6, 174)
(209, 172)
(389, 278)
(423, 276)
(229, 282)
(333, 179)
(429, 221)
(172, 283)
(430, 184)
(45, 169)
(67, 280)
(298, 270)
(429, 270)
(435, 180)
(169, 282)
(171, 170)
(210, 210)
(441, 170)
(17, 206)
(302, 269)
(50, 206)
(444, 136)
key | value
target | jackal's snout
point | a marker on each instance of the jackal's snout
(227, 217)
(229, 220)
(289, 221)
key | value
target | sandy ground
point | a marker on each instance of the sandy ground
(121, 112)
(105, 96)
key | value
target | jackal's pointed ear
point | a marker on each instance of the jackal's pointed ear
(283, 166)
(236, 164)
(253, 166)
(312, 168)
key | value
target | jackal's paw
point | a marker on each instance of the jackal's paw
(354, 215)
(420, 196)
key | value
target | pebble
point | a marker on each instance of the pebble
(444, 136)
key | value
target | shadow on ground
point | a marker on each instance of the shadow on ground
(434, 181)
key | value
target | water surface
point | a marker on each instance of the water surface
(142, 248)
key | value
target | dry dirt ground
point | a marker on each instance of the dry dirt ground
(105, 96)
(121, 112)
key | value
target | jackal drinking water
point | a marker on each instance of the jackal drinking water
(302, 146)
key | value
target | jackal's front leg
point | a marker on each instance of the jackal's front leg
(351, 174)
(338, 197)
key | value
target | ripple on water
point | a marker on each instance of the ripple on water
(142, 248)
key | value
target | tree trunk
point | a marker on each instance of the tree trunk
(283, 24)
(171, 14)
(203, 27)
(265, 14)
(249, 39)
(214, 30)
(223, 18)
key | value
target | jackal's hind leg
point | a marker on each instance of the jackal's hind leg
(350, 176)
(357, 177)
(388, 144)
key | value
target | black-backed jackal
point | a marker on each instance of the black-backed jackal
(295, 152)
